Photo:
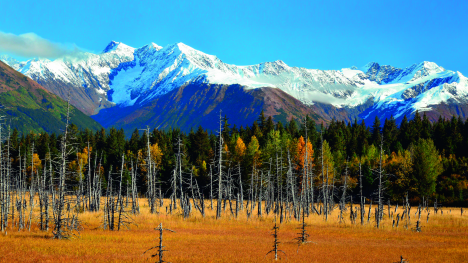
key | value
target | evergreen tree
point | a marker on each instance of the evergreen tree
(269, 126)
(390, 133)
(375, 139)
(426, 127)
(426, 167)
(404, 135)
(261, 121)
(292, 128)
(415, 127)
(115, 146)
(200, 147)
(132, 144)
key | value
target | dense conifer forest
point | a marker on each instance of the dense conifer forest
(419, 158)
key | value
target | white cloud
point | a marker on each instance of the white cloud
(320, 97)
(32, 45)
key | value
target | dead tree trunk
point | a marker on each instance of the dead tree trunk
(361, 206)
(160, 247)
(380, 189)
(220, 168)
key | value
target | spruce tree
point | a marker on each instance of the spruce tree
(375, 137)
(426, 167)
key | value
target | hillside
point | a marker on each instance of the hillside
(197, 104)
(27, 106)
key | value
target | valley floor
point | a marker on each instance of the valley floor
(196, 239)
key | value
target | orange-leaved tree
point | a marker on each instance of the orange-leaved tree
(36, 165)
(239, 150)
(300, 155)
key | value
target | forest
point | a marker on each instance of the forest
(419, 158)
(62, 185)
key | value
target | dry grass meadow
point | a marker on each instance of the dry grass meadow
(443, 239)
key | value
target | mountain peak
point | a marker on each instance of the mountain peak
(424, 69)
(431, 66)
(111, 46)
(155, 46)
(369, 66)
(119, 47)
(185, 49)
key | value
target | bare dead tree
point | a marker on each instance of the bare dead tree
(219, 165)
(362, 199)
(160, 247)
(151, 176)
(402, 260)
(276, 243)
(135, 204)
(343, 195)
(5, 180)
(64, 225)
(380, 190)
(123, 217)
(303, 235)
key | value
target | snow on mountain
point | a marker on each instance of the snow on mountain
(425, 86)
(10, 61)
(125, 76)
(154, 74)
(89, 74)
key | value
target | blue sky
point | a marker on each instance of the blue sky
(312, 34)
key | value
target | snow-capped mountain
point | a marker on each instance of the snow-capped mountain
(398, 92)
(155, 72)
(129, 77)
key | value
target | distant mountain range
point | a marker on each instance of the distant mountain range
(28, 107)
(180, 86)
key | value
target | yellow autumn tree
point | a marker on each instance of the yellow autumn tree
(79, 165)
(300, 155)
(226, 151)
(328, 164)
(156, 157)
(156, 154)
(239, 149)
(400, 166)
(142, 161)
(253, 151)
(36, 165)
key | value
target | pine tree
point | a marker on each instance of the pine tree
(390, 133)
(404, 133)
(426, 167)
(415, 127)
(375, 138)
(426, 128)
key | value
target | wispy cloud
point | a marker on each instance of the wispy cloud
(325, 98)
(32, 45)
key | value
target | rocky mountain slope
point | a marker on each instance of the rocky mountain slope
(131, 80)
(28, 106)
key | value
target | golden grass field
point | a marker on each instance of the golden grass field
(443, 239)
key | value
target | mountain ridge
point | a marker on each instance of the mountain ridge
(29, 107)
(123, 76)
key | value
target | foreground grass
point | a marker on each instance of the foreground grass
(443, 239)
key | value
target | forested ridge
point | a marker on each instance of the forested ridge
(420, 158)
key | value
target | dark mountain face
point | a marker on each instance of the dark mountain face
(197, 104)
(28, 106)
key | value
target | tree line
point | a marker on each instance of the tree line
(419, 159)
